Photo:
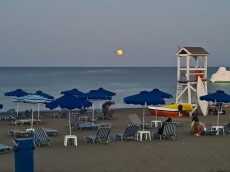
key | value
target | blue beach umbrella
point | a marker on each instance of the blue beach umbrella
(95, 95)
(144, 98)
(69, 102)
(74, 91)
(17, 93)
(32, 99)
(159, 93)
(106, 92)
(40, 93)
(218, 97)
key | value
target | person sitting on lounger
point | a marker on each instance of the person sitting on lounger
(161, 129)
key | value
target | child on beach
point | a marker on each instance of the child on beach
(197, 126)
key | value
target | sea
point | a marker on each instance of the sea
(124, 81)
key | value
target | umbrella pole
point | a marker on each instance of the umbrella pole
(100, 107)
(32, 122)
(69, 124)
(38, 112)
(93, 112)
(17, 108)
(144, 118)
(156, 113)
(218, 115)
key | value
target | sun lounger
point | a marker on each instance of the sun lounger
(40, 137)
(23, 133)
(129, 133)
(102, 136)
(20, 133)
(51, 132)
(5, 148)
(169, 131)
(134, 119)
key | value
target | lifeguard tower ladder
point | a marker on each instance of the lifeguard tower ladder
(191, 64)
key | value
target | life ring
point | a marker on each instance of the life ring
(198, 73)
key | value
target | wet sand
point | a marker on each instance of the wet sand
(186, 153)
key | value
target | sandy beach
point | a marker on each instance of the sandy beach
(186, 153)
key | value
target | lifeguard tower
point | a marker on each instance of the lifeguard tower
(191, 76)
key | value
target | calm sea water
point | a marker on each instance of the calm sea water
(123, 81)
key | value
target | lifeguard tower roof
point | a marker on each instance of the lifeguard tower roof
(192, 51)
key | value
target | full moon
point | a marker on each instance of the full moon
(119, 52)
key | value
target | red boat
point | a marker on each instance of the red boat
(161, 111)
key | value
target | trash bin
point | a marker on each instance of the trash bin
(24, 155)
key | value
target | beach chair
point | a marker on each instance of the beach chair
(102, 136)
(169, 131)
(135, 120)
(5, 148)
(227, 128)
(11, 116)
(41, 137)
(20, 133)
(75, 123)
(51, 132)
(129, 133)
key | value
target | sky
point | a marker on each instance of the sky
(87, 33)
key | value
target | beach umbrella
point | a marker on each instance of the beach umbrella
(144, 98)
(40, 93)
(218, 97)
(45, 95)
(93, 96)
(17, 93)
(74, 92)
(106, 92)
(43, 98)
(162, 94)
(69, 102)
(32, 99)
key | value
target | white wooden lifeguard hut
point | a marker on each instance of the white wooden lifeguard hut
(191, 64)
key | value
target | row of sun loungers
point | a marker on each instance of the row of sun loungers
(5, 148)
(23, 133)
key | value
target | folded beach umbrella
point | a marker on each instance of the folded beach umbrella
(69, 102)
(159, 93)
(40, 93)
(95, 95)
(144, 98)
(218, 97)
(74, 92)
(17, 93)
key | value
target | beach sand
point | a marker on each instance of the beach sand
(186, 153)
